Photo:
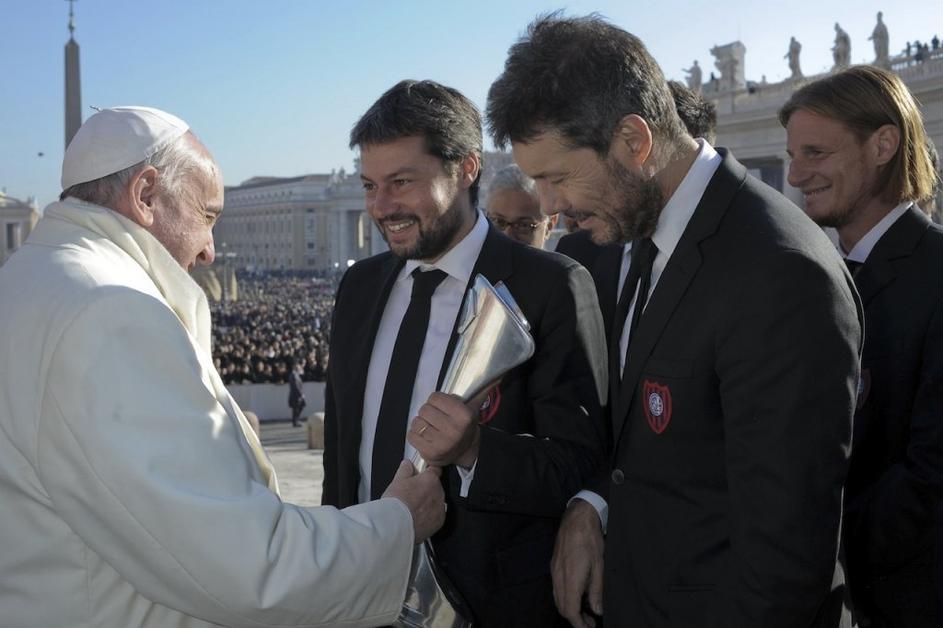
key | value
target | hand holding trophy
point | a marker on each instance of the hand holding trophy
(494, 337)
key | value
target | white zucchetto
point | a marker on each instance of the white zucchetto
(115, 139)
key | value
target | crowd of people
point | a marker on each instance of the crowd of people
(280, 318)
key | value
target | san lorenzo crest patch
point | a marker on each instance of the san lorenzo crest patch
(657, 404)
(489, 407)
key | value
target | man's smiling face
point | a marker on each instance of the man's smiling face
(835, 171)
(419, 204)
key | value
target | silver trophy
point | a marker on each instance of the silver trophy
(494, 337)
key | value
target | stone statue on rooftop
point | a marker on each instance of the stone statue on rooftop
(793, 55)
(729, 60)
(880, 39)
(841, 51)
(694, 77)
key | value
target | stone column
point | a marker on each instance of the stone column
(73, 91)
(341, 239)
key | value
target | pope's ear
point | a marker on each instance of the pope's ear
(141, 195)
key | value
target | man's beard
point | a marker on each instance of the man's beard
(433, 240)
(835, 220)
(637, 204)
(848, 209)
(843, 217)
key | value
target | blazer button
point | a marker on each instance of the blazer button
(618, 477)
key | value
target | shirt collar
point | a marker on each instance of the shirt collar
(860, 252)
(677, 212)
(458, 261)
(680, 207)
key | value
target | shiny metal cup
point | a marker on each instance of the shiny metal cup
(494, 337)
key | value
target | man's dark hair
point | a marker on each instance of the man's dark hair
(579, 77)
(447, 120)
(698, 116)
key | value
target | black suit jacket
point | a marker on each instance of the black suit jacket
(543, 442)
(896, 477)
(732, 429)
(938, 567)
(580, 246)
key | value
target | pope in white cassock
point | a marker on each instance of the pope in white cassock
(132, 490)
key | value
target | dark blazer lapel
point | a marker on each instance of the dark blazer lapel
(374, 301)
(898, 242)
(674, 280)
(494, 262)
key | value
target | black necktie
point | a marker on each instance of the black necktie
(853, 266)
(390, 437)
(639, 275)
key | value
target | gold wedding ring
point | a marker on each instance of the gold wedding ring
(422, 429)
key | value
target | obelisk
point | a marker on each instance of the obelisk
(73, 88)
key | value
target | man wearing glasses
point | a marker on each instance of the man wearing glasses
(513, 207)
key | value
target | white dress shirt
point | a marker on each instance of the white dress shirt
(672, 222)
(457, 263)
(861, 250)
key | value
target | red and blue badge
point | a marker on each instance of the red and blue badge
(489, 407)
(657, 401)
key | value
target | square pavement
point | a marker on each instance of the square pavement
(300, 470)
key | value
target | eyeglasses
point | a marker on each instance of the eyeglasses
(525, 225)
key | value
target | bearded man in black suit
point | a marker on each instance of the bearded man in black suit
(511, 462)
(734, 351)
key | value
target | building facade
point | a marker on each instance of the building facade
(17, 219)
(311, 222)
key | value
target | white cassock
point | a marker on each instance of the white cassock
(132, 490)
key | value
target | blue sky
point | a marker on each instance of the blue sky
(273, 87)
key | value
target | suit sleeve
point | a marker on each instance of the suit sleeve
(786, 362)
(330, 490)
(565, 385)
(888, 523)
(329, 487)
(143, 463)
